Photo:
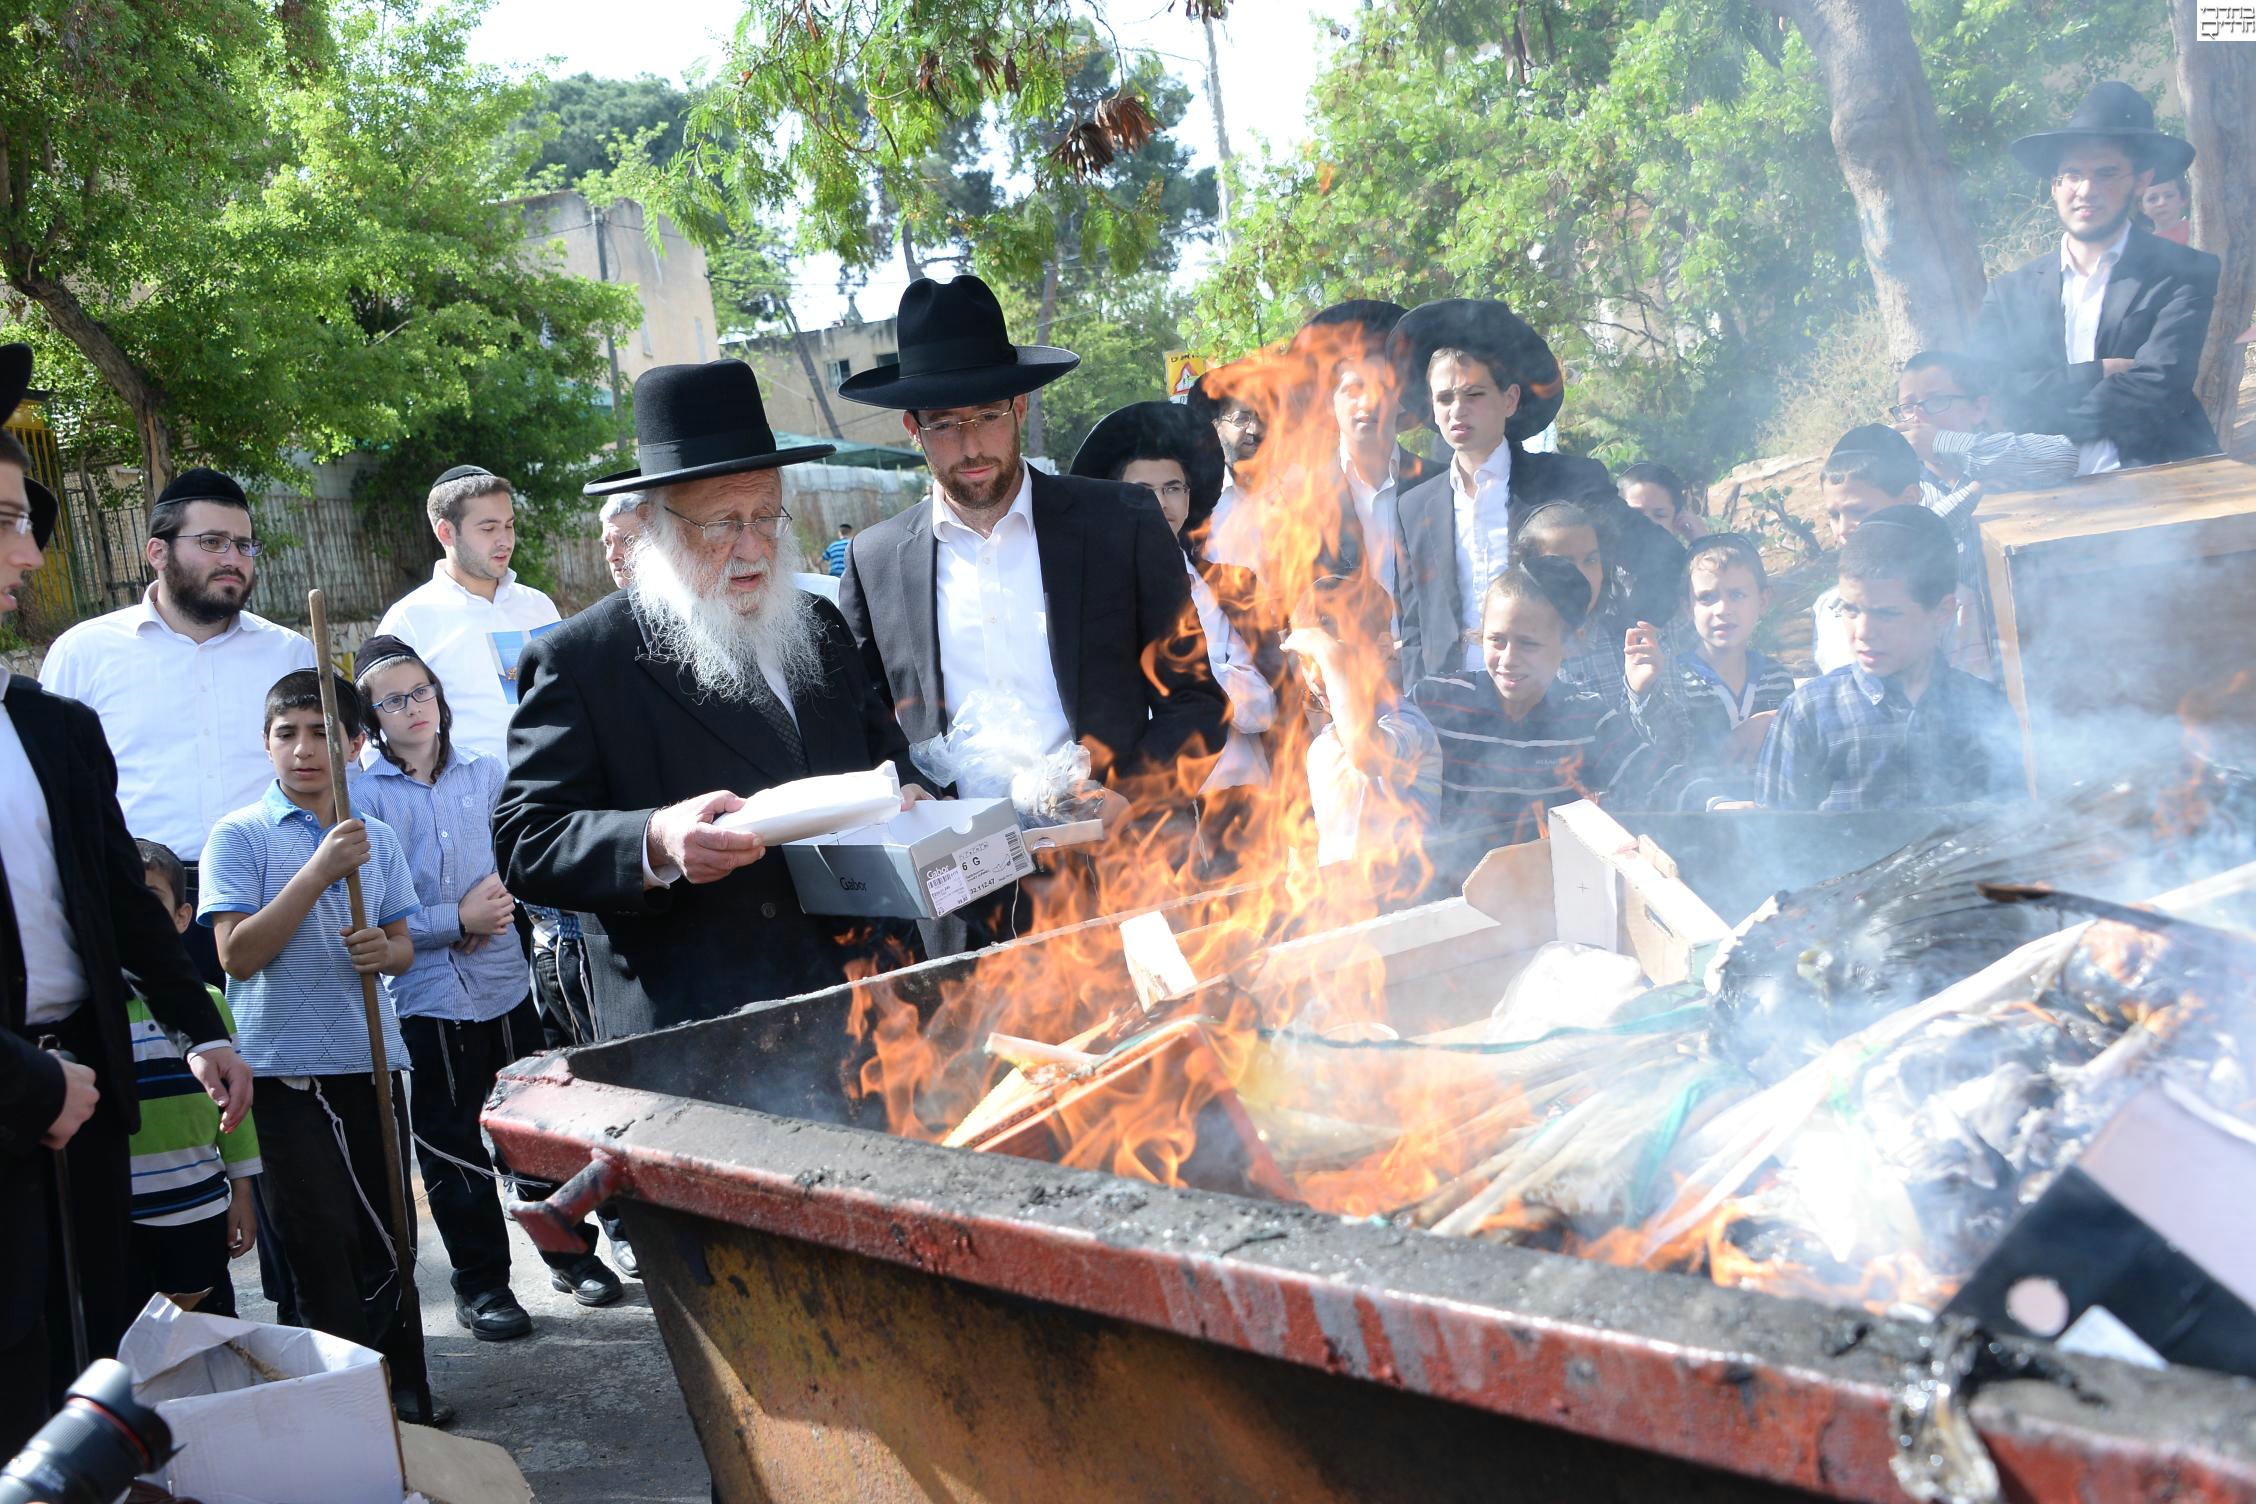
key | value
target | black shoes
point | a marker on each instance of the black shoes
(587, 1281)
(493, 1316)
(420, 1409)
(623, 1254)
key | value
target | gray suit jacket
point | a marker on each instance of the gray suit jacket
(1118, 595)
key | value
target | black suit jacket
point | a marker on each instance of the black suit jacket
(1118, 594)
(605, 735)
(1426, 572)
(123, 934)
(2155, 311)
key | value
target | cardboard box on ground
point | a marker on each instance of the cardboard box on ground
(265, 1414)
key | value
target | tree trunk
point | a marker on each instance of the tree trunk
(909, 262)
(1918, 243)
(814, 377)
(134, 386)
(2217, 81)
(1037, 433)
(1221, 134)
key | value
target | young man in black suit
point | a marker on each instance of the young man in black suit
(79, 935)
(2100, 339)
(649, 715)
(1058, 602)
(1489, 383)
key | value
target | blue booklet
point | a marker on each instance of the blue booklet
(508, 647)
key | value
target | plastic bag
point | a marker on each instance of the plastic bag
(1564, 986)
(992, 743)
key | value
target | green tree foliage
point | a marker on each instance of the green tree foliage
(355, 276)
(1122, 328)
(588, 115)
(1652, 184)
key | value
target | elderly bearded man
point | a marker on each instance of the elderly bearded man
(652, 713)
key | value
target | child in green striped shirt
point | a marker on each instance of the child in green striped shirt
(191, 1183)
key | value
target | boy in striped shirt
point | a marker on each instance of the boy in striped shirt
(191, 1183)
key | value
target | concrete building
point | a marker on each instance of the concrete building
(838, 352)
(612, 245)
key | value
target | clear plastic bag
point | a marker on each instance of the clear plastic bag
(992, 743)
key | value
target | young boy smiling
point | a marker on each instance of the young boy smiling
(274, 894)
(1897, 727)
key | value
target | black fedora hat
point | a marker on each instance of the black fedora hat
(15, 380)
(2112, 111)
(1359, 321)
(692, 422)
(955, 352)
(1492, 333)
(1150, 431)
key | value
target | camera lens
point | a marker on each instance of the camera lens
(90, 1453)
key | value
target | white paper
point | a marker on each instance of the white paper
(819, 806)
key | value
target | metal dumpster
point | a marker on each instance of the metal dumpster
(855, 1316)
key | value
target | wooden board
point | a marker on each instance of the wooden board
(2119, 598)
(1620, 892)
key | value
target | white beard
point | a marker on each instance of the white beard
(693, 622)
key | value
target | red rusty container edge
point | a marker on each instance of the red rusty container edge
(1758, 1385)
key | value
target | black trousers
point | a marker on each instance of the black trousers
(455, 1065)
(321, 1149)
(100, 1210)
(184, 1258)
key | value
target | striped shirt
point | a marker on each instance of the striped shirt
(1689, 718)
(1499, 776)
(446, 829)
(1595, 660)
(1852, 741)
(302, 1015)
(181, 1161)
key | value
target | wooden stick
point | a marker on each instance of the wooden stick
(403, 1246)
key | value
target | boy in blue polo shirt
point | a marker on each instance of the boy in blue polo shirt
(273, 892)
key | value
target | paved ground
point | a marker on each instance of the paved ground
(587, 1404)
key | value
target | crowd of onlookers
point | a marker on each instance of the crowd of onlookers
(1253, 601)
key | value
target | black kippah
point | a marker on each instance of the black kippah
(461, 472)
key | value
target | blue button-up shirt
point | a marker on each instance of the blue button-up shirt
(302, 1014)
(446, 829)
(1852, 740)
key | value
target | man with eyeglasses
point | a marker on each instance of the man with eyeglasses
(2100, 340)
(1055, 605)
(661, 708)
(79, 935)
(180, 677)
(473, 617)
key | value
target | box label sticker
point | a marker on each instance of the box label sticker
(977, 869)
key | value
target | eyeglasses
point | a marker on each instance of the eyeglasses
(18, 523)
(1173, 490)
(2104, 177)
(1240, 419)
(217, 543)
(421, 694)
(724, 530)
(977, 426)
(1928, 407)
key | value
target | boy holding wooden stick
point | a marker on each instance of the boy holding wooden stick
(274, 893)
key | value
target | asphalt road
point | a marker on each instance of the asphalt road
(587, 1404)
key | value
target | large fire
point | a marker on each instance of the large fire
(1312, 1072)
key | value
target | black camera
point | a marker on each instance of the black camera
(90, 1453)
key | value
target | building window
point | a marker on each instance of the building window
(840, 370)
(888, 357)
(698, 326)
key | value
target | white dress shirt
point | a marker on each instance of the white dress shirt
(1375, 511)
(1233, 529)
(54, 979)
(995, 626)
(454, 629)
(182, 717)
(1253, 704)
(2081, 300)
(1484, 538)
